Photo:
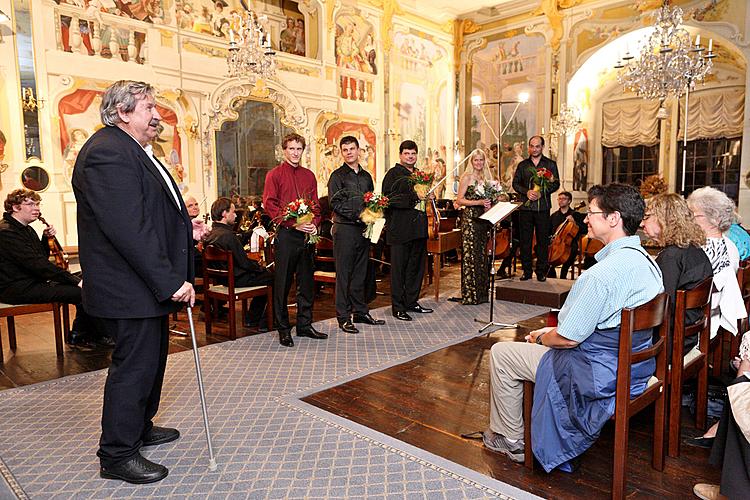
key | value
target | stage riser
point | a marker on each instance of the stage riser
(550, 293)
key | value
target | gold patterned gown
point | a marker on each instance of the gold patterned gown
(474, 268)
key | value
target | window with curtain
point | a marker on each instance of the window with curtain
(630, 165)
(712, 162)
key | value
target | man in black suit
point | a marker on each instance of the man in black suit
(247, 272)
(136, 251)
(406, 233)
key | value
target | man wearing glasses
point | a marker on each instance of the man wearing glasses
(26, 274)
(574, 364)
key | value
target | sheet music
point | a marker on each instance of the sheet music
(499, 211)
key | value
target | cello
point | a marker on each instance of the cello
(562, 241)
(433, 218)
(55, 249)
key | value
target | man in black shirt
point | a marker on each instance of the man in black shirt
(563, 213)
(406, 233)
(26, 274)
(535, 208)
(346, 188)
(247, 272)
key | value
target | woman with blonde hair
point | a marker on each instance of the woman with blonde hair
(683, 263)
(476, 193)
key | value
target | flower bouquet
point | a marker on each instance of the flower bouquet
(374, 206)
(301, 212)
(422, 183)
(489, 190)
(541, 178)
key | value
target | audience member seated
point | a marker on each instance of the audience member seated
(683, 263)
(740, 238)
(26, 274)
(200, 230)
(714, 212)
(730, 449)
(247, 272)
(574, 364)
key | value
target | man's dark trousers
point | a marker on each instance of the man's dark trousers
(539, 223)
(133, 386)
(292, 256)
(407, 271)
(350, 251)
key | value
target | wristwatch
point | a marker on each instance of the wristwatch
(539, 339)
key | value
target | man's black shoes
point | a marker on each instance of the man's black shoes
(347, 326)
(312, 333)
(135, 470)
(525, 277)
(367, 319)
(160, 435)
(419, 309)
(401, 315)
(285, 338)
(541, 277)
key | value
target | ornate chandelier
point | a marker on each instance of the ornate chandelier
(568, 120)
(250, 52)
(668, 63)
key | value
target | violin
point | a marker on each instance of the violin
(562, 241)
(55, 249)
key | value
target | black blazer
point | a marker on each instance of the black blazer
(135, 243)
(404, 223)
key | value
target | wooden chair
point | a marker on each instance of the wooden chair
(218, 268)
(716, 346)
(325, 277)
(694, 364)
(652, 314)
(10, 311)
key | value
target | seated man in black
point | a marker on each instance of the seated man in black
(564, 199)
(247, 272)
(26, 274)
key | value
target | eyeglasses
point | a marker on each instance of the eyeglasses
(32, 203)
(589, 213)
(646, 216)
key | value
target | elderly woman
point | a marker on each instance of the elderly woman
(714, 213)
(683, 263)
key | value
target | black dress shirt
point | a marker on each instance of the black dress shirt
(346, 188)
(522, 183)
(245, 269)
(403, 222)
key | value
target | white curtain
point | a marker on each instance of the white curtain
(630, 122)
(713, 113)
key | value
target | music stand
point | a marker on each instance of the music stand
(494, 215)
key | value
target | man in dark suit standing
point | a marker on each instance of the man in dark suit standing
(135, 242)
(406, 233)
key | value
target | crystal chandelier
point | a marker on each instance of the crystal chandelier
(568, 120)
(668, 63)
(250, 52)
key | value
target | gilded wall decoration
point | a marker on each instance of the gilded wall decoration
(552, 10)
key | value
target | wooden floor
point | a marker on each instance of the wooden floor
(430, 401)
(427, 402)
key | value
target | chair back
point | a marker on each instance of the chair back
(743, 279)
(218, 268)
(324, 250)
(651, 315)
(699, 297)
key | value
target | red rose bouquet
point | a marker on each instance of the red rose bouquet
(542, 179)
(374, 206)
(422, 183)
(301, 212)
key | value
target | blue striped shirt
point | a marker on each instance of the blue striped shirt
(620, 278)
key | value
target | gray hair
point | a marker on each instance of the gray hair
(122, 96)
(718, 208)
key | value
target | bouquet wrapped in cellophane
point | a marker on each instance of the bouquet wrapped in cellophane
(301, 212)
(375, 204)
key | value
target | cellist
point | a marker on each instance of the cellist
(558, 217)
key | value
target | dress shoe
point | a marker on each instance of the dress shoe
(105, 341)
(541, 277)
(285, 339)
(367, 319)
(402, 316)
(525, 277)
(419, 309)
(160, 435)
(347, 326)
(135, 470)
(76, 338)
(312, 333)
(700, 442)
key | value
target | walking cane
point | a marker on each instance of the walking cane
(211, 459)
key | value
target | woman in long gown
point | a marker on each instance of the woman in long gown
(474, 233)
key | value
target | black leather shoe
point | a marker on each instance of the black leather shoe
(541, 277)
(700, 442)
(76, 338)
(160, 435)
(525, 277)
(312, 333)
(347, 326)
(285, 339)
(402, 316)
(135, 470)
(105, 341)
(367, 319)
(419, 309)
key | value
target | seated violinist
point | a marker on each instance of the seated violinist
(565, 213)
(247, 272)
(26, 274)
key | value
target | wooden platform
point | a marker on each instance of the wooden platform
(550, 293)
(430, 401)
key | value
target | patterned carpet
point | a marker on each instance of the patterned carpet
(268, 444)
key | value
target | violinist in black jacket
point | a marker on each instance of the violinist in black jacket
(247, 272)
